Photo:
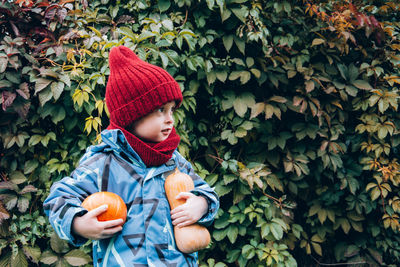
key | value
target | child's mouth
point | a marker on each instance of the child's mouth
(166, 131)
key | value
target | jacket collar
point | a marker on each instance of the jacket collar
(116, 141)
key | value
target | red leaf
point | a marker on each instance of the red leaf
(51, 12)
(360, 20)
(4, 215)
(23, 110)
(84, 4)
(8, 99)
(62, 13)
(24, 90)
(374, 22)
(367, 21)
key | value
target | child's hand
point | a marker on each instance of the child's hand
(89, 227)
(190, 212)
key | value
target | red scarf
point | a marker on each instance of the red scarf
(152, 154)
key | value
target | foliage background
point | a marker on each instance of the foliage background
(290, 111)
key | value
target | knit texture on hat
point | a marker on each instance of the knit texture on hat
(135, 88)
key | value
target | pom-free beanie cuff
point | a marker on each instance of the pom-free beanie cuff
(145, 104)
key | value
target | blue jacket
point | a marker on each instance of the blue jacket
(147, 237)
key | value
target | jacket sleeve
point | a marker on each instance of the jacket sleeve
(201, 188)
(64, 202)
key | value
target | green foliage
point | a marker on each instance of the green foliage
(289, 111)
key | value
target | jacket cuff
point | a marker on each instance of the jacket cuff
(209, 216)
(70, 215)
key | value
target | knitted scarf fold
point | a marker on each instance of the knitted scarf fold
(152, 154)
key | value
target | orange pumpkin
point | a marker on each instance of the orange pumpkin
(116, 206)
(189, 238)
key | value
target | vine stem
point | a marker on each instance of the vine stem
(273, 198)
(186, 17)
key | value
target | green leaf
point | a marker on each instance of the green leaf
(351, 90)
(375, 193)
(45, 96)
(361, 84)
(225, 13)
(210, 4)
(322, 215)
(265, 230)
(221, 75)
(19, 259)
(57, 244)
(30, 166)
(18, 177)
(23, 204)
(276, 231)
(40, 84)
(353, 73)
(240, 132)
(222, 189)
(240, 13)
(240, 106)
(228, 41)
(248, 251)
(218, 235)
(317, 248)
(343, 71)
(232, 233)
(145, 35)
(317, 41)
(35, 139)
(57, 88)
(240, 43)
(58, 115)
(77, 257)
(3, 64)
(127, 32)
(244, 76)
(48, 257)
(33, 253)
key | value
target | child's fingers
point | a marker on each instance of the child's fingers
(111, 231)
(178, 209)
(97, 211)
(176, 213)
(184, 195)
(112, 223)
(183, 221)
(179, 220)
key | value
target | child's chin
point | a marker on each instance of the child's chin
(162, 139)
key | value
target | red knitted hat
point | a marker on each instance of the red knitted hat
(135, 88)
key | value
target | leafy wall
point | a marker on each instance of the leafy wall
(290, 111)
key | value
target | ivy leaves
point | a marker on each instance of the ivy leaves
(61, 255)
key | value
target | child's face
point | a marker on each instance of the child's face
(156, 126)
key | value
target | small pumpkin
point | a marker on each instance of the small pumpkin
(116, 206)
(189, 238)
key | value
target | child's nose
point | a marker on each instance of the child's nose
(169, 117)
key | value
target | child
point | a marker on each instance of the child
(137, 153)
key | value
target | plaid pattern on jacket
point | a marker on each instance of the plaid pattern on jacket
(147, 236)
